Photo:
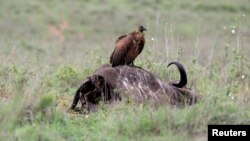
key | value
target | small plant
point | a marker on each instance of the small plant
(46, 101)
(63, 79)
(66, 74)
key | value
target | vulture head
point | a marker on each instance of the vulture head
(142, 28)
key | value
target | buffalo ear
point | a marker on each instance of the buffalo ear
(101, 80)
(98, 78)
(98, 81)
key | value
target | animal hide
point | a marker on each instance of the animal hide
(134, 84)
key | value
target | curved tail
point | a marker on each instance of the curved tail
(183, 75)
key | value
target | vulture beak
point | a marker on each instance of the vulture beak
(142, 28)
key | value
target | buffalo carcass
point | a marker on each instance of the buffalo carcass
(110, 84)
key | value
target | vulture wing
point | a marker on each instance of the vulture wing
(122, 46)
(141, 46)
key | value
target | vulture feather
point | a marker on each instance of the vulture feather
(128, 47)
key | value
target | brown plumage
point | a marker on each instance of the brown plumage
(128, 47)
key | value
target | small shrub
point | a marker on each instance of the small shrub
(66, 74)
(46, 101)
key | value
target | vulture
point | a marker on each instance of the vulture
(128, 47)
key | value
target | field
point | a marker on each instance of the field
(47, 48)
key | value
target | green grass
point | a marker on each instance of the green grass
(47, 48)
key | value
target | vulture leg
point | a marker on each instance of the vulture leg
(132, 64)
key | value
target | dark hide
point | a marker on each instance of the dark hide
(110, 84)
